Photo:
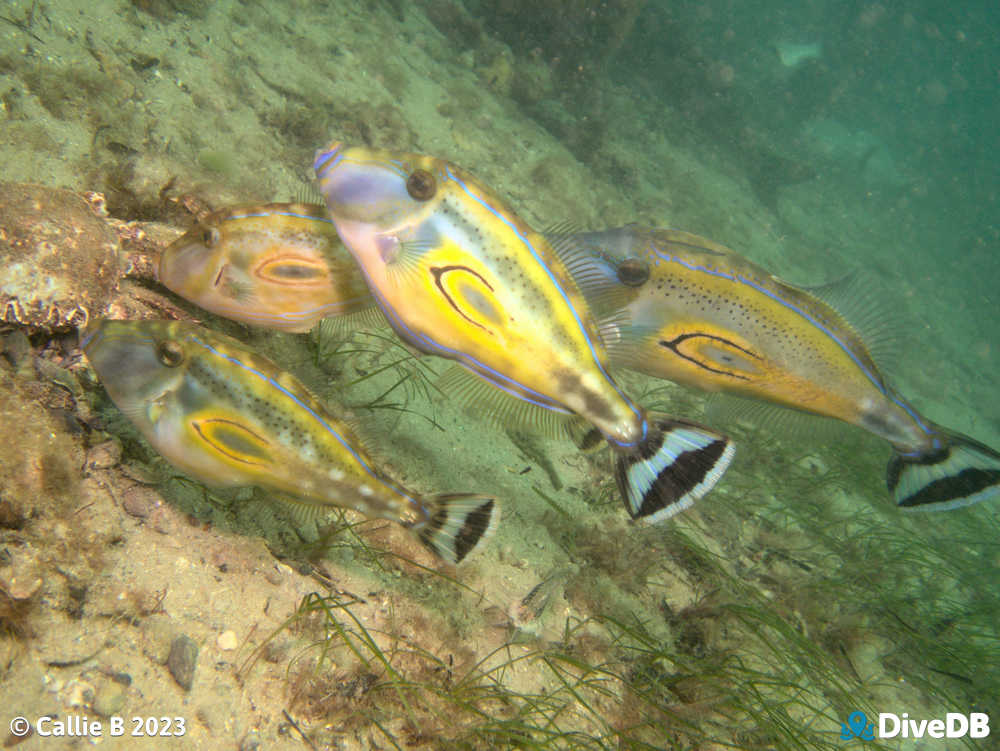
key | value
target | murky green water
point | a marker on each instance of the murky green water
(815, 139)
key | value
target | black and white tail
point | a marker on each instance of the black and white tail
(961, 472)
(677, 464)
(456, 523)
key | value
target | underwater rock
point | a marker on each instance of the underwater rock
(61, 263)
(140, 501)
(182, 660)
(16, 347)
(104, 455)
(109, 698)
(77, 694)
(227, 641)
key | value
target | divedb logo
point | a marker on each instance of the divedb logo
(954, 725)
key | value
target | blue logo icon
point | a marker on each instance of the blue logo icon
(857, 726)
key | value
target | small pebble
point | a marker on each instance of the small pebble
(158, 633)
(109, 699)
(23, 587)
(181, 661)
(10, 517)
(273, 575)
(227, 641)
(77, 694)
(140, 501)
(104, 455)
(163, 520)
(123, 678)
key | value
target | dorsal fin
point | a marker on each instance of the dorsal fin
(562, 238)
(860, 299)
(594, 273)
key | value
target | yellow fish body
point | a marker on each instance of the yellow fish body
(229, 418)
(459, 275)
(699, 314)
(274, 265)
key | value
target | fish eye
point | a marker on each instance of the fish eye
(169, 353)
(210, 236)
(632, 272)
(421, 185)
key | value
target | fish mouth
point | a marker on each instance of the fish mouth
(326, 159)
(87, 334)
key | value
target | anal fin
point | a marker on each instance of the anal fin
(503, 406)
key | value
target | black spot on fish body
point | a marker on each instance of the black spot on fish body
(881, 424)
(594, 404)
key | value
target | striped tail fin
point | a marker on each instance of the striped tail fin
(961, 472)
(457, 523)
(677, 464)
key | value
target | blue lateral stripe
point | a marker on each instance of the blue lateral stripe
(555, 282)
(811, 319)
(340, 439)
(265, 214)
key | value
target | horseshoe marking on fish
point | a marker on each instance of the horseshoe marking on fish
(440, 271)
(218, 443)
(674, 346)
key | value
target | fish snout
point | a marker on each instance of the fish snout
(326, 158)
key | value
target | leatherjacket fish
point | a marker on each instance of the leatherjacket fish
(229, 417)
(699, 314)
(272, 265)
(458, 274)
